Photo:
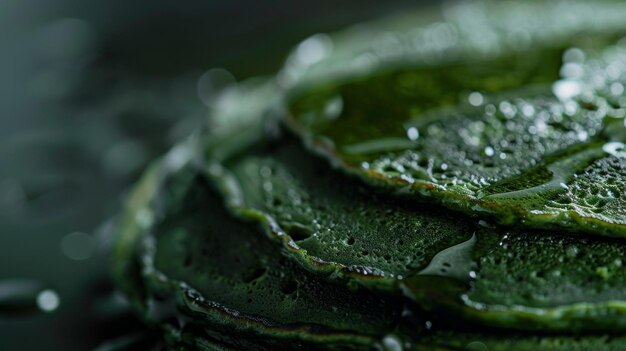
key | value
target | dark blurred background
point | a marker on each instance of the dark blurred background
(90, 92)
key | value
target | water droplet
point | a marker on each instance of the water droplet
(485, 224)
(477, 346)
(489, 151)
(566, 89)
(615, 148)
(212, 83)
(177, 157)
(333, 107)
(314, 49)
(573, 55)
(617, 89)
(507, 109)
(528, 110)
(490, 110)
(144, 218)
(392, 343)
(48, 300)
(572, 251)
(77, 246)
(455, 262)
(265, 172)
(412, 133)
(475, 98)
(572, 70)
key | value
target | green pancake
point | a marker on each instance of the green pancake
(205, 268)
(507, 135)
(246, 237)
(181, 249)
(347, 232)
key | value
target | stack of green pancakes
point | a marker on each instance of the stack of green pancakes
(453, 179)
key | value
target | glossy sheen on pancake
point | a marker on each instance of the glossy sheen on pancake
(510, 135)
